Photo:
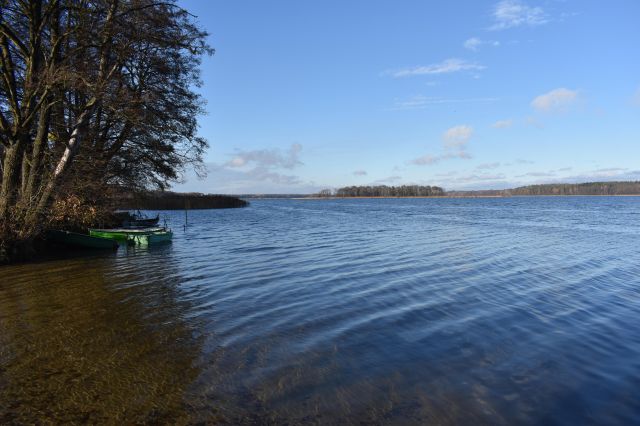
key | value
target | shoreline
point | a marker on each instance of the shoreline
(469, 196)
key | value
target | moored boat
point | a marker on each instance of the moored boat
(135, 236)
(155, 237)
(75, 239)
(142, 222)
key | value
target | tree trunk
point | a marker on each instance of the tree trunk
(24, 172)
(10, 176)
(66, 159)
(39, 145)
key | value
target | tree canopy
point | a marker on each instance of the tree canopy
(92, 94)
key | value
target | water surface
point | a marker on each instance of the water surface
(414, 311)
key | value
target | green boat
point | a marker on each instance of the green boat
(135, 236)
(74, 239)
(155, 237)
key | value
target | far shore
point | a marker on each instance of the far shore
(472, 196)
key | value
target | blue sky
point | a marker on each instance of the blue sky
(305, 95)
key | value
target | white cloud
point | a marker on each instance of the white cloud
(263, 165)
(531, 121)
(457, 136)
(607, 172)
(502, 124)
(537, 174)
(474, 43)
(414, 102)
(420, 101)
(556, 100)
(222, 179)
(458, 154)
(389, 179)
(455, 141)
(444, 67)
(360, 173)
(601, 175)
(488, 166)
(447, 174)
(479, 178)
(515, 13)
(426, 160)
(267, 158)
(523, 161)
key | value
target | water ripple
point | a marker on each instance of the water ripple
(446, 311)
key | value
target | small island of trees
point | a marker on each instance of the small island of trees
(383, 191)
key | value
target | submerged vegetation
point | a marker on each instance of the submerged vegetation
(92, 94)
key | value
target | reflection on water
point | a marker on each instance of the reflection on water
(494, 311)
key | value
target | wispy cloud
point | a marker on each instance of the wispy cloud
(474, 43)
(610, 171)
(599, 175)
(389, 179)
(534, 122)
(479, 178)
(523, 161)
(556, 100)
(427, 160)
(222, 179)
(263, 174)
(475, 181)
(515, 13)
(444, 67)
(455, 140)
(488, 166)
(537, 174)
(457, 136)
(267, 158)
(447, 174)
(264, 164)
(360, 173)
(421, 101)
(502, 124)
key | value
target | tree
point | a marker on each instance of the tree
(93, 93)
(390, 191)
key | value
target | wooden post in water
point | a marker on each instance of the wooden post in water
(186, 217)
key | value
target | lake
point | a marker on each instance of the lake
(368, 311)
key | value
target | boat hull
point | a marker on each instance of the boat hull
(145, 236)
(153, 238)
(74, 239)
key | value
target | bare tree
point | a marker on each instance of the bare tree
(93, 93)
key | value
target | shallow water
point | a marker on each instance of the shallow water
(442, 311)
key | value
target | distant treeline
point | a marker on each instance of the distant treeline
(588, 188)
(165, 200)
(383, 191)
